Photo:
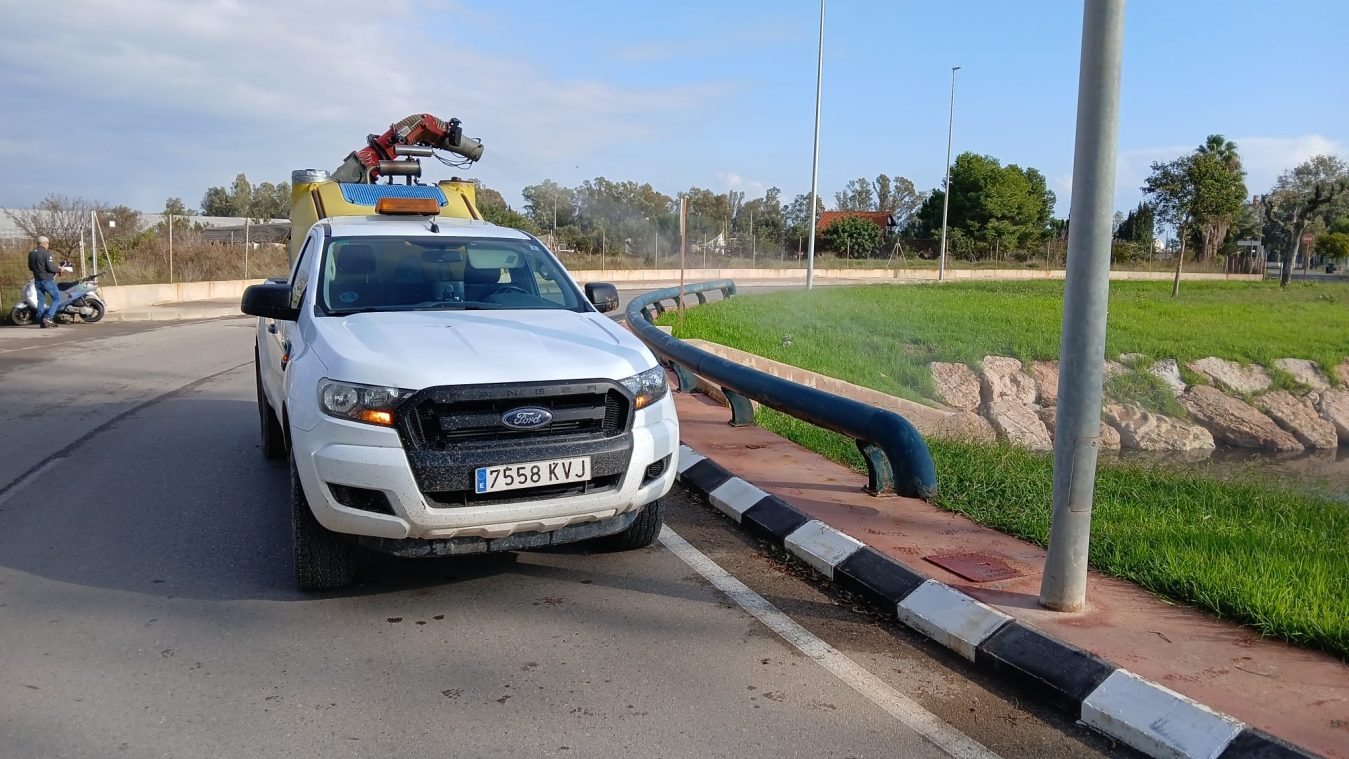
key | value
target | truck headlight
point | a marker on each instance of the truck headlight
(360, 403)
(647, 387)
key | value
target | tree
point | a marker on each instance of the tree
(1139, 225)
(1333, 245)
(1312, 190)
(60, 218)
(176, 207)
(217, 202)
(1220, 191)
(270, 202)
(492, 205)
(853, 236)
(898, 196)
(797, 216)
(548, 204)
(857, 195)
(990, 201)
(1171, 193)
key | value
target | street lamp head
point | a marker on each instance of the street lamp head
(957, 68)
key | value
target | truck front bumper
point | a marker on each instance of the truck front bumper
(355, 455)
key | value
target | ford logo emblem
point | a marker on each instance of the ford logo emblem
(527, 418)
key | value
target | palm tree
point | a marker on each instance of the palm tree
(1224, 149)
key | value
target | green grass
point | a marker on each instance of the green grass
(883, 336)
(1265, 556)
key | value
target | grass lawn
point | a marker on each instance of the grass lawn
(1259, 553)
(884, 336)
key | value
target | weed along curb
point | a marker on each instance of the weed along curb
(1101, 695)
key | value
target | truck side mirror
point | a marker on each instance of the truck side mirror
(270, 301)
(603, 295)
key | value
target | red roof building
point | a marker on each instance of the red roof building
(882, 219)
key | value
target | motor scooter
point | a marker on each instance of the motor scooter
(79, 298)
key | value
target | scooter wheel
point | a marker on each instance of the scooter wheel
(97, 310)
(22, 315)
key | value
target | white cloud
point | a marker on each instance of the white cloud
(296, 83)
(733, 181)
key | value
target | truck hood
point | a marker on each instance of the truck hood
(419, 349)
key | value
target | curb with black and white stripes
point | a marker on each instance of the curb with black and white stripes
(1107, 698)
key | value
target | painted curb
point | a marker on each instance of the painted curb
(1108, 699)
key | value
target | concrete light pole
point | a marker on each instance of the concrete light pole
(815, 162)
(946, 188)
(1086, 295)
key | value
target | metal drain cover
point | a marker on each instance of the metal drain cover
(975, 567)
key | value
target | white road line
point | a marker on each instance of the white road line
(20, 483)
(899, 706)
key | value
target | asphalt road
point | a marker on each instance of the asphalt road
(147, 607)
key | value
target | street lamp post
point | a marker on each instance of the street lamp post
(815, 162)
(946, 188)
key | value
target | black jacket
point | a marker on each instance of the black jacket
(41, 264)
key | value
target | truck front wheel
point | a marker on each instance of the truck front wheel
(640, 533)
(323, 559)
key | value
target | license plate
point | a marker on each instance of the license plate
(535, 474)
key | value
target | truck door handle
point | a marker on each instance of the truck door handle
(271, 327)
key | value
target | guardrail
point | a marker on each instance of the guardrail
(897, 458)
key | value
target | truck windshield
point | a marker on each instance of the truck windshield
(410, 274)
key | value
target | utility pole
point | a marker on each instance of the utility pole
(946, 188)
(246, 247)
(683, 246)
(815, 162)
(170, 223)
(1077, 436)
(753, 253)
(93, 238)
(81, 253)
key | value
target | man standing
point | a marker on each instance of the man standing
(44, 277)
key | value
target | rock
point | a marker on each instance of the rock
(1130, 358)
(1235, 422)
(1018, 424)
(1304, 371)
(967, 427)
(1147, 431)
(1113, 369)
(1233, 376)
(1109, 435)
(1168, 371)
(957, 386)
(1001, 380)
(1046, 376)
(1334, 408)
(1299, 417)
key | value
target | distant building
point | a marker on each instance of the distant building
(883, 219)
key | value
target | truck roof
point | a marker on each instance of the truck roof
(418, 226)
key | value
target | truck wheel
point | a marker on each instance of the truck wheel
(640, 533)
(98, 312)
(273, 437)
(323, 558)
(22, 315)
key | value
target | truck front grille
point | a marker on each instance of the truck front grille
(441, 418)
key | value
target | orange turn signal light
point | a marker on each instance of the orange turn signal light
(424, 206)
(376, 417)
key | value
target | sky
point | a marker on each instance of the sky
(134, 101)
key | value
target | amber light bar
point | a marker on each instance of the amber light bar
(425, 206)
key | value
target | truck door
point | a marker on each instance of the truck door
(281, 334)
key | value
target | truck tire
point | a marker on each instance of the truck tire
(323, 559)
(273, 437)
(640, 533)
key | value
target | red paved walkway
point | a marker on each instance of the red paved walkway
(1298, 695)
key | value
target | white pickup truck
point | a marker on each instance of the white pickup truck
(442, 386)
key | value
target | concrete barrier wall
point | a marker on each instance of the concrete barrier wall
(123, 297)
